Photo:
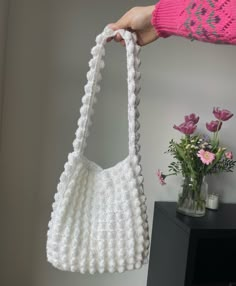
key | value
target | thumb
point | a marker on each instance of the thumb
(113, 26)
(122, 23)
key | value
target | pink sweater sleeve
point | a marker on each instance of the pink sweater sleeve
(205, 20)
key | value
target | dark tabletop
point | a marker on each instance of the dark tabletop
(223, 218)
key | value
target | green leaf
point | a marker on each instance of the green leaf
(180, 152)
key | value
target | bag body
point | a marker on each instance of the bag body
(98, 220)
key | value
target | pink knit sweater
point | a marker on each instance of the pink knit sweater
(205, 20)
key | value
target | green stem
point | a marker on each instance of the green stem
(216, 135)
(191, 196)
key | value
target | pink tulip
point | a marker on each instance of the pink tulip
(222, 114)
(214, 125)
(229, 155)
(187, 127)
(191, 117)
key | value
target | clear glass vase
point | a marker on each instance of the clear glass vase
(192, 196)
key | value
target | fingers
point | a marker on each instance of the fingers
(138, 20)
(122, 23)
(113, 26)
(109, 39)
(117, 38)
(122, 43)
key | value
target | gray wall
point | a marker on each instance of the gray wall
(48, 49)
(3, 35)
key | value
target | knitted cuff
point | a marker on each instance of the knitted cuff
(165, 17)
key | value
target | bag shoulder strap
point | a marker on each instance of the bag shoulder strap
(92, 87)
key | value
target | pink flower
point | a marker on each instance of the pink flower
(222, 114)
(191, 117)
(187, 127)
(206, 156)
(161, 177)
(229, 155)
(214, 125)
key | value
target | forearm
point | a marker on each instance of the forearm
(205, 20)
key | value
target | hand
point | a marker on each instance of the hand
(137, 20)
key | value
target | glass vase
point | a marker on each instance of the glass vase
(192, 196)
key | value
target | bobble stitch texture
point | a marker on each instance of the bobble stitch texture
(98, 221)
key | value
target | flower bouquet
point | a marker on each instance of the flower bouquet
(197, 155)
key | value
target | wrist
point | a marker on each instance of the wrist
(149, 14)
(152, 11)
(165, 17)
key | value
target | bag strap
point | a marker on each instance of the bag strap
(92, 87)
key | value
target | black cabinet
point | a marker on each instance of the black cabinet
(188, 251)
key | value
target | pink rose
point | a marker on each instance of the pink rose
(222, 114)
(229, 155)
(191, 117)
(187, 127)
(214, 125)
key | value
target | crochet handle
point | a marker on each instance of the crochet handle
(92, 87)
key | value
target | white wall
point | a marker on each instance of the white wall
(47, 54)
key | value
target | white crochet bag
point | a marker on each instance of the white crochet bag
(99, 221)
